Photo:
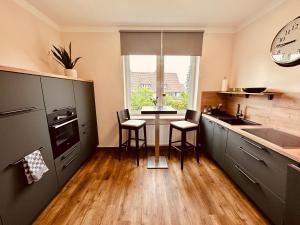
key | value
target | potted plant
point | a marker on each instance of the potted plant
(64, 58)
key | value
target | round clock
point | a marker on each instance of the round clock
(285, 49)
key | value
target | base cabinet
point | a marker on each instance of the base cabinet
(207, 133)
(268, 202)
(219, 141)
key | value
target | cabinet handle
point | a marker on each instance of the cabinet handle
(22, 159)
(17, 111)
(221, 126)
(66, 165)
(245, 174)
(251, 143)
(66, 156)
(63, 124)
(254, 157)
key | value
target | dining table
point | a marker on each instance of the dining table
(157, 161)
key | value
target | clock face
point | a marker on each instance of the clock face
(285, 49)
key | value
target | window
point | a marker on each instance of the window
(161, 68)
(179, 81)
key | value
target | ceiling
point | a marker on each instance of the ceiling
(204, 13)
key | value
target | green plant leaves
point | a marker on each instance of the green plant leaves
(63, 57)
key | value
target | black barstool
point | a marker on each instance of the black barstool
(190, 123)
(131, 125)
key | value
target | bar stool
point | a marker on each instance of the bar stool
(190, 123)
(131, 125)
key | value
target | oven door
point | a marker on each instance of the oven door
(63, 136)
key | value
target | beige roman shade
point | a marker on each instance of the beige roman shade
(182, 43)
(140, 43)
(165, 43)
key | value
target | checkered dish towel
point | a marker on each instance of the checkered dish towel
(34, 166)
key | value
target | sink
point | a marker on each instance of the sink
(276, 137)
(236, 121)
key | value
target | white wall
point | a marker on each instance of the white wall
(102, 63)
(252, 64)
(25, 40)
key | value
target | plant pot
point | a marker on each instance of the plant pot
(71, 73)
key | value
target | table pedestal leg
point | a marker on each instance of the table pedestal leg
(157, 161)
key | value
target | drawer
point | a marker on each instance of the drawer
(58, 93)
(269, 203)
(264, 164)
(21, 202)
(67, 155)
(69, 167)
(22, 134)
(20, 92)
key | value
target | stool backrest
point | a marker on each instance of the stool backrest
(123, 116)
(193, 116)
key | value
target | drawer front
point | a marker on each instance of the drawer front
(264, 164)
(269, 203)
(22, 134)
(58, 93)
(69, 168)
(67, 155)
(20, 92)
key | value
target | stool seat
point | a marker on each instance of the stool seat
(183, 124)
(133, 123)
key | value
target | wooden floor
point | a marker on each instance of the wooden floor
(108, 192)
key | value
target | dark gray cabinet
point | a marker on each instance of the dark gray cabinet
(269, 167)
(219, 143)
(86, 111)
(20, 135)
(269, 203)
(292, 206)
(207, 134)
(58, 93)
(19, 92)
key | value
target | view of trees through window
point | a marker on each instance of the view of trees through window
(177, 79)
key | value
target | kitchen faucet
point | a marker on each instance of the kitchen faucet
(239, 112)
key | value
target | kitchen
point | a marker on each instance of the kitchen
(247, 173)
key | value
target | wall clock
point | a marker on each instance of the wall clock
(285, 48)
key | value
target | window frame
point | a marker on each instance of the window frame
(160, 83)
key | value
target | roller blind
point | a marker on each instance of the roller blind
(157, 43)
(140, 43)
(182, 43)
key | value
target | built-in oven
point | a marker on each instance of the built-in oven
(63, 128)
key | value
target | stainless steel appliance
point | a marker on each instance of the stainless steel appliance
(63, 128)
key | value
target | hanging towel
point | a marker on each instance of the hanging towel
(34, 166)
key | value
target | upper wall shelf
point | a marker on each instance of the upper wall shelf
(270, 95)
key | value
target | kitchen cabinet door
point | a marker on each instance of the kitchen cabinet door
(58, 93)
(207, 133)
(292, 205)
(19, 92)
(20, 135)
(219, 143)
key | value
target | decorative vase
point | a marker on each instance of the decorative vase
(71, 73)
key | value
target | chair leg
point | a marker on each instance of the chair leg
(170, 141)
(198, 145)
(129, 140)
(120, 143)
(145, 139)
(137, 147)
(183, 147)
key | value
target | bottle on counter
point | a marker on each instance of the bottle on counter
(224, 84)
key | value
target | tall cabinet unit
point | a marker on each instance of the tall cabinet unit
(87, 121)
(23, 129)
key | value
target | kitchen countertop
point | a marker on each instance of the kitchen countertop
(19, 70)
(292, 153)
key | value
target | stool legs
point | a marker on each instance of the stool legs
(198, 145)
(145, 140)
(183, 147)
(170, 141)
(137, 147)
(120, 143)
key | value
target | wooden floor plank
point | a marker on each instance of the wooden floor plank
(108, 192)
